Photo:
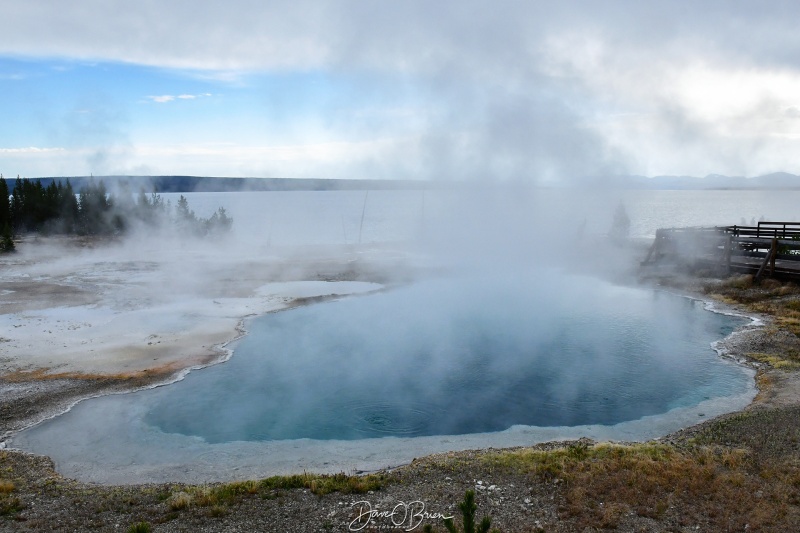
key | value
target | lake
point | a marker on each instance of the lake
(334, 217)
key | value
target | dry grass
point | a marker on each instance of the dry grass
(325, 484)
(709, 484)
(9, 505)
(740, 282)
(632, 480)
(6, 487)
(779, 300)
(139, 527)
(779, 361)
(217, 496)
(180, 500)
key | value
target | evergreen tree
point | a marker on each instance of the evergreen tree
(55, 208)
(185, 217)
(5, 203)
(94, 206)
(17, 209)
(69, 211)
(6, 239)
(47, 217)
(183, 211)
(152, 210)
(219, 222)
(621, 226)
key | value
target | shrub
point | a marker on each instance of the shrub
(468, 508)
(180, 500)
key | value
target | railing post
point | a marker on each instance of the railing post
(728, 252)
(769, 260)
(773, 256)
(653, 249)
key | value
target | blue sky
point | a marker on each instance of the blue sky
(534, 90)
(107, 112)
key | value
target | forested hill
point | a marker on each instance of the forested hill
(183, 184)
(161, 184)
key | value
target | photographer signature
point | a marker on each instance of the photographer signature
(405, 516)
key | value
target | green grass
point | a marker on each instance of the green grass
(10, 505)
(218, 496)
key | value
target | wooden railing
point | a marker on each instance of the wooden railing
(733, 247)
(766, 230)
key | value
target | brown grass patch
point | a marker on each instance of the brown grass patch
(6, 486)
(778, 361)
(770, 297)
(217, 496)
(179, 501)
(739, 282)
(709, 485)
(9, 505)
(765, 382)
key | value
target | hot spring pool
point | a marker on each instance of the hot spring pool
(373, 381)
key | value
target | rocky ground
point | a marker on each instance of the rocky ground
(740, 472)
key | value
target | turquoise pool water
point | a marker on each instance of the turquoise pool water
(454, 357)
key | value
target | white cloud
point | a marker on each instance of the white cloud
(29, 150)
(414, 35)
(538, 87)
(164, 98)
(359, 159)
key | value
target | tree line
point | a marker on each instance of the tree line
(57, 209)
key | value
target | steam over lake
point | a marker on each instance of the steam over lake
(504, 353)
(334, 217)
(455, 357)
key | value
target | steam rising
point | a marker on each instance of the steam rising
(455, 357)
(478, 290)
(502, 100)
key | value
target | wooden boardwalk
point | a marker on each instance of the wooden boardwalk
(770, 249)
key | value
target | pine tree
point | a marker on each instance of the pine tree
(7, 239)
(5, 203)
(68, 209)
(94, 206)
(185, 218)
(17, 209)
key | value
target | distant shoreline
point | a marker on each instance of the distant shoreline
(186, 184)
